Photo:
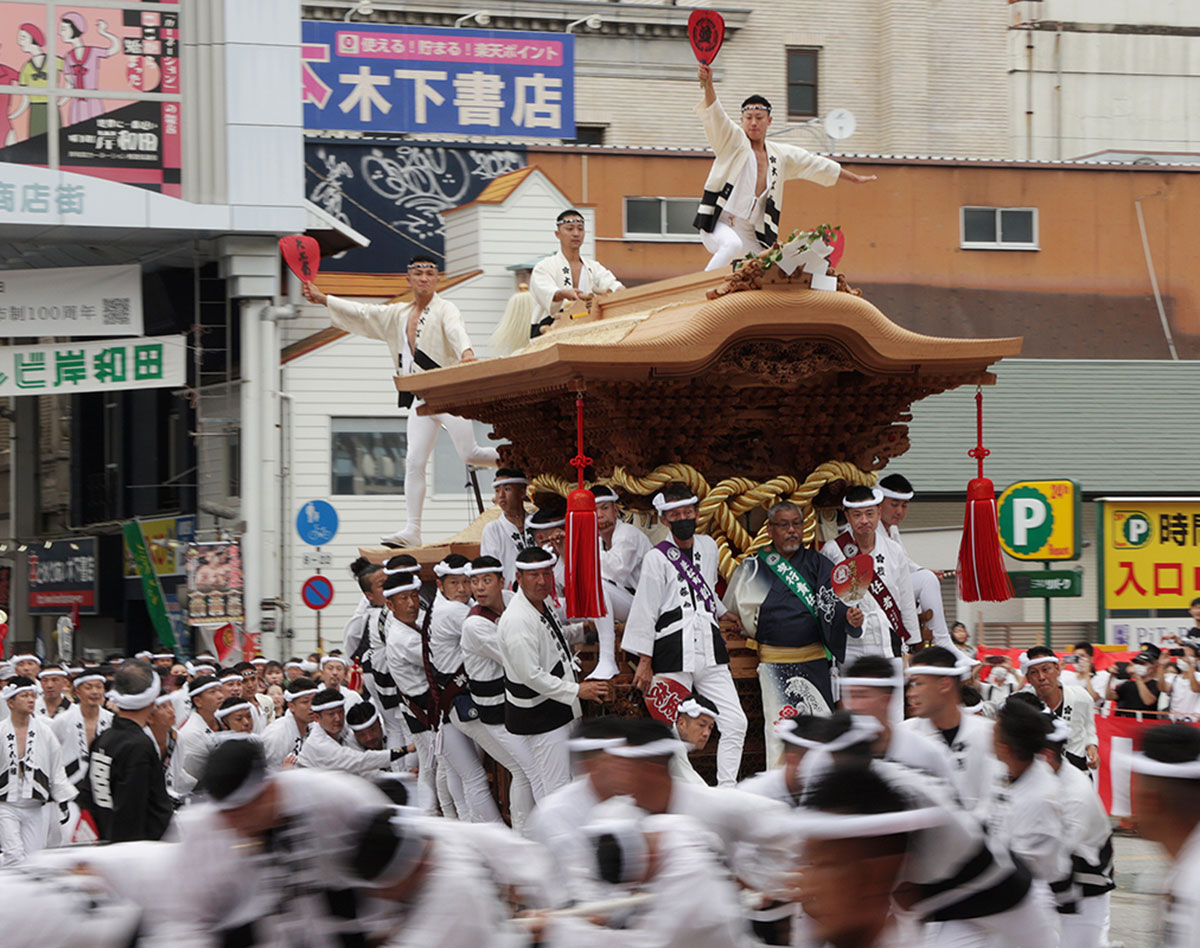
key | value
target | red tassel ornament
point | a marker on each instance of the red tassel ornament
(582, 567)
(981, 572)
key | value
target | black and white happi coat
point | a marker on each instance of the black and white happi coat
(668, 621)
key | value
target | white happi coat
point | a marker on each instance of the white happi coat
(504, 540)
(695, 904)
(44, 780)
(669, 621)
(892, 566)
(322, 751)
(1181, 918)
(733, 175)
(974, 767)
(553, 273)
(621, 563)
(441, 336)
(281, 738)
(1026, 816)
(71, 731)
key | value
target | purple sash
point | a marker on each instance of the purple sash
(684, 566)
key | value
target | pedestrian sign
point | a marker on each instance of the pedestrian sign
(317, 522)
(1040, 520)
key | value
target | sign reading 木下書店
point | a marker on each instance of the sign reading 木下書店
(373, 78)
(63, 577)
(76, 367)
(71, 301)
(1151, 549)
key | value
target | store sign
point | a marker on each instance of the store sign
(63, 577)
(71, 301)
(374, 78)
(1040, 520)
(71, 368)
(1151, 553)
(51, 53)
(169, 558)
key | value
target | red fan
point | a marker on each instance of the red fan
(706, 30)
(302, 255)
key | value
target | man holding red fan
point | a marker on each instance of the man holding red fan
(743, 193)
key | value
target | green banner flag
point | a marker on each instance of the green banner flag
(135, 542)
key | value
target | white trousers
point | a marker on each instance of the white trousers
(551, 759)
(726, 243)
(1088, 927)
(460, 753)
(928, 593)
(716, 684)
(421, 433)
(513, 756)
(23, 831)
(1030, 924)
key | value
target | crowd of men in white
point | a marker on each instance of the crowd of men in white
(271, 804)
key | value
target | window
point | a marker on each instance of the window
(660, 217)
(802, 83)
(367, 455)
(999, 228)
(588, 135)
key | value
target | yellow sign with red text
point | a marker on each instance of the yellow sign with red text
(1151, 554)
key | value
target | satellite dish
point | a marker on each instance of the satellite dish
(840, 123)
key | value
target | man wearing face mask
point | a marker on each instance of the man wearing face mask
(673, 623)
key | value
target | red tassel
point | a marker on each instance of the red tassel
(583, 557)
(981, 572)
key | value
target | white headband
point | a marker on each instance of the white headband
(875, 501)
(662, 505)
(11, 691)
(330, 705)
(326, 659)
(90, 676)
(663, 747)
(480, 570)
(193, 692)
(441, 569)
(538, 564)
(1041, 660)
(1141, 764)
(693, 709)
(290, 696)
(223, 713)
(17, 659)
(548, 525)
(52, 671)
(391, 590)
(821, 824)
(139, 701)
(582, 745)
(501, 481)
(368, 722)
(895, 494)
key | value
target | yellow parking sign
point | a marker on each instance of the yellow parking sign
(1040, 520)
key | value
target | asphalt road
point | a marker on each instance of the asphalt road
(1136, 902)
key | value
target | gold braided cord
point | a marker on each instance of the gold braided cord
(723, 505)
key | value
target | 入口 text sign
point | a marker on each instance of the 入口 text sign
(1151, 553)
(71, 301)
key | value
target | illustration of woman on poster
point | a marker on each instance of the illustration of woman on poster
(81, 65)
(35, 72)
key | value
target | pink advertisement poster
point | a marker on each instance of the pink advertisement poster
(57, 61)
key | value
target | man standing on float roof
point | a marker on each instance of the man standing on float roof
(566, 275)
(743, 193)
(427, 333)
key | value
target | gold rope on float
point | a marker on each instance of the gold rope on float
(722, 506)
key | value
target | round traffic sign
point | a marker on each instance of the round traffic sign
(317, 592)
(317, 522)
